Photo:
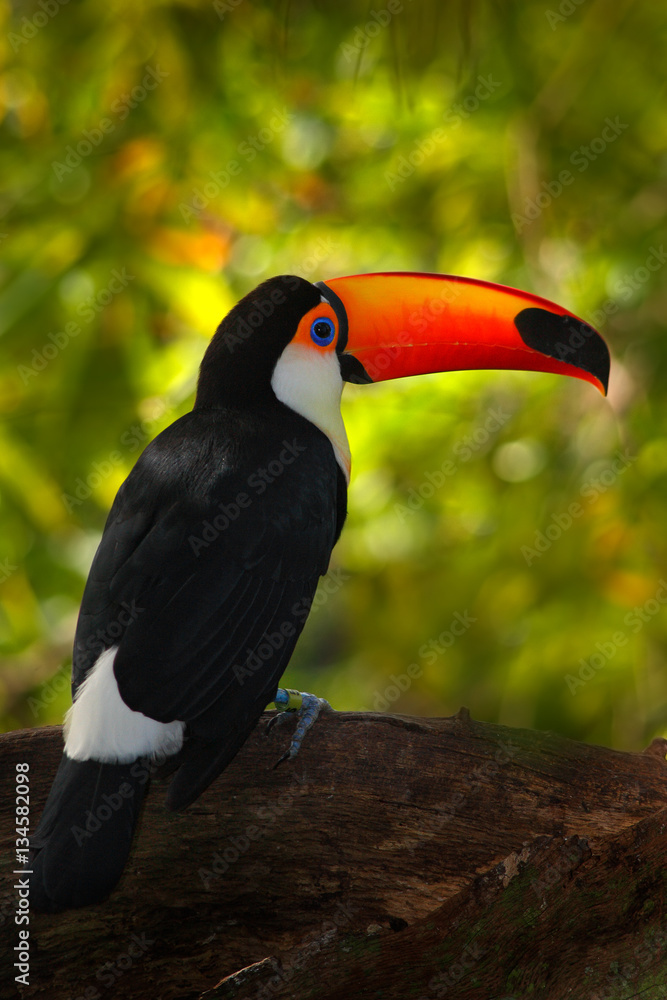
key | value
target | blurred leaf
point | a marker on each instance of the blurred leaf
(198, 148)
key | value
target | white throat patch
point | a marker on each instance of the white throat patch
(310, 383)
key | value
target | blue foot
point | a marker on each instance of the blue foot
(307, 708)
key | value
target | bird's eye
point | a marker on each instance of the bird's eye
(322, 332)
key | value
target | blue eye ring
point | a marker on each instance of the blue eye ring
(322, 331)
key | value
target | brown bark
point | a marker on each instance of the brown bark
(395, 858)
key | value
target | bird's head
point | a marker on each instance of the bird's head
(299, 341)
(388, 325)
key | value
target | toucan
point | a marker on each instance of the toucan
(217, 538)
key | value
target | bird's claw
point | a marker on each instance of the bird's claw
(307, 708)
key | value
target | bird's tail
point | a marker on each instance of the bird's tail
(81, 845)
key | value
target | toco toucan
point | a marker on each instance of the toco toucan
(213, 548)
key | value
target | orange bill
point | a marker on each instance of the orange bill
(397, 324)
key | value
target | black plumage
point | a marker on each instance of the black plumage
(203, 578)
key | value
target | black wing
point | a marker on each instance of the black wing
(206, 571)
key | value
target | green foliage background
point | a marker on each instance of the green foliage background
(417, 136)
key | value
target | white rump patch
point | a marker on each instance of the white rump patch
(310, 383)
(100, 726)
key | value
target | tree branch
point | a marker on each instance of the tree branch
(394, 857)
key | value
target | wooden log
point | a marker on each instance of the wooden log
(395, 857)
